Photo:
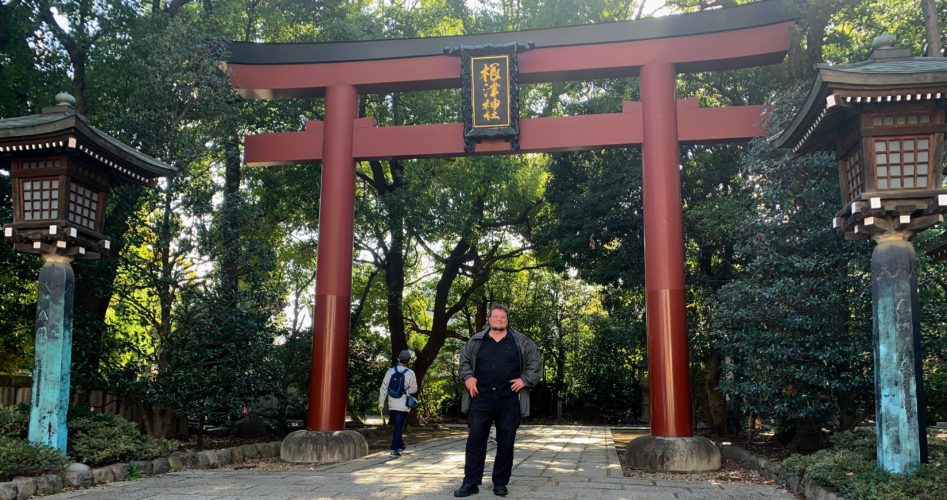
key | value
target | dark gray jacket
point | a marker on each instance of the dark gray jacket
(531, 365)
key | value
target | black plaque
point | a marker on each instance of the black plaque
(490, 93)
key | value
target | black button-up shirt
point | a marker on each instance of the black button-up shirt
(497, 364)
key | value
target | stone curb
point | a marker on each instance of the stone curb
(79, 476)
(770, 470)
(21, 488)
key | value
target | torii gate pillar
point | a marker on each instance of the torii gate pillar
(671, 445)
(664, 255)
(330, 340)
(324, 441)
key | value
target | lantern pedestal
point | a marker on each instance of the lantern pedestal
(50, 397)
(898, 415)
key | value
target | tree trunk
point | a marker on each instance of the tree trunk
(200, 432)
(394, 263)
(438, 334)
(356, 422)
(808, 437)
(78, 83)
(480, 318)
(716, 402)
(158, 421)
(931, 28)
(848, 411)
(230, 217)
(395, 255)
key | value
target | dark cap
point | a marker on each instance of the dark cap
(405, 356)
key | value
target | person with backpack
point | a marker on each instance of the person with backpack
(399, 383)
(498, 367)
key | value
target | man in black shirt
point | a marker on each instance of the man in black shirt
(498, 366)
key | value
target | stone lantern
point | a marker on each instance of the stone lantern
(61, 169)
(884, 119)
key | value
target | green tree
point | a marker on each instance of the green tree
(799, 310)
(221, 356)
(18, 288)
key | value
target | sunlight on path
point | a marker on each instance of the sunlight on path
(551, 462)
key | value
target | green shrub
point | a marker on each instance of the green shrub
(935, 391)
(849, 467)
(133, 472)
(19, 457)
(100, 438)
(14, 420)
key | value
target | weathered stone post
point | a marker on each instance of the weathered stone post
(896, 332)
(53, 352)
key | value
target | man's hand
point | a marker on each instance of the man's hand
(517, 384)
(471, 384)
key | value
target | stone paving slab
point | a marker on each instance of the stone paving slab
(552, 462)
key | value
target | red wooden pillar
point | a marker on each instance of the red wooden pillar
(328, 388)
(664, 255)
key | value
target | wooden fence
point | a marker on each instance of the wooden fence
(17, 389)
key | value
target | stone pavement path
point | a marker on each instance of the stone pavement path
(561, 462)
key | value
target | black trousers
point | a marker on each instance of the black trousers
(487, 410)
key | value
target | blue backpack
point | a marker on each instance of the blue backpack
(396, 384)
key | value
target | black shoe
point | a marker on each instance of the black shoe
(500, 491)
(466, 490)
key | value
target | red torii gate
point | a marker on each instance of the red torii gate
(653, 49)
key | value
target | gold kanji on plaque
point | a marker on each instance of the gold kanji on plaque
(490, 85)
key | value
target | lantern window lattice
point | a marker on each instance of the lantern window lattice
(901, 162)
(41, 198)
(83, 205)
(855, 181)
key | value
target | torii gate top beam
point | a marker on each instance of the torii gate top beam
(749, 35)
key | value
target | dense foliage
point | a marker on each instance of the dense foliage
(14, 420)
(94, 439)
(19, 457)
(800, 310)
(101, 438)
(848, 467)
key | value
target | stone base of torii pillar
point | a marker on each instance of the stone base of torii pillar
(673, 454)
(322, 447)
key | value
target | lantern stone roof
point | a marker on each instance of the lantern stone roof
(889, 75)
(60, 126)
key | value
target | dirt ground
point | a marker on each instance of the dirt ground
(730, 471)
